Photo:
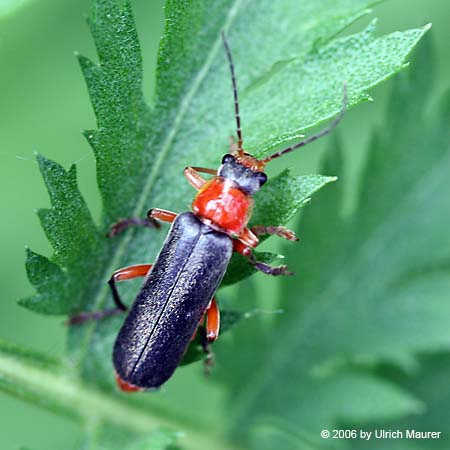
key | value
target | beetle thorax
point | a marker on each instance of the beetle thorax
(224, 204)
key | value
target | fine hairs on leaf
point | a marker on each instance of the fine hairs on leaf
(287, 86)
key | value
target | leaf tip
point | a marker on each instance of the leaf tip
(40, 158)
(85, 63)
(24, 302)
(42, 161)
(88, 134)
(370, 29)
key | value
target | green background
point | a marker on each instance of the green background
(44, 106)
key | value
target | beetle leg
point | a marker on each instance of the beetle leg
(161, 214)
(269, 270)
(127, 273)
(193, 177)
(246, 251)
(80, 318)
(151, 221)
(205, 343)
(248, 238)
(280, 231)
(205, 170)
(212, 321)
(212, 314)
(209, 334)
(123, 224)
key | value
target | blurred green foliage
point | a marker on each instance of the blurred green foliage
(43, 110)
(373, 294)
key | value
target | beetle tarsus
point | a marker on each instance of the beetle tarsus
(81, 318)
(115, 294)
(127, 273)
(268, 270)
(123, 224)
(279, 231)
(209, 359)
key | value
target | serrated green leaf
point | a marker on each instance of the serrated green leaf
(64, 282)
(373, 287)
(284, 195)
(323, 73)
(281, 198)
(47, 278)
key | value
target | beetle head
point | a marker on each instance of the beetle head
(244, 171)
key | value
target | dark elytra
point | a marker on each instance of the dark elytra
(173, 298)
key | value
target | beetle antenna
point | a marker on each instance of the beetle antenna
(235, 93)
(318, 135)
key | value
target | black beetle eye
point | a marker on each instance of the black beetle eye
(262, 177)
(227, 159)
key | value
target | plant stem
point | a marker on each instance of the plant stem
(56, 390)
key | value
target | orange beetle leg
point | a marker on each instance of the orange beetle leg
(161, 214)
(248, 238)
(209, 333)
(131, 272)
(241, 248)
(194, 179)
(212, 314)
(212, 321)
(127, 273)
